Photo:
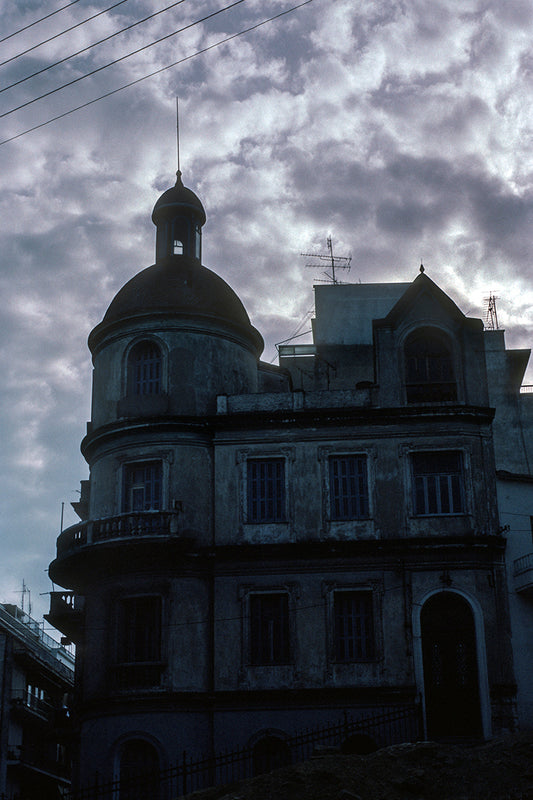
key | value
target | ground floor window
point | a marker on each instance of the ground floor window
(354, 626)
(269, 628)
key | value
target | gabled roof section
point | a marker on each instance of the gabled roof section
(424, 287)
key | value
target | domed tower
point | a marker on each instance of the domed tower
(173, 338)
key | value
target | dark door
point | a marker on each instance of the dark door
(450, 667)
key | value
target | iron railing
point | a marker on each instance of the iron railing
(523, 564)
(392, 725)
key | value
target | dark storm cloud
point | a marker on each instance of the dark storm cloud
(401, 130)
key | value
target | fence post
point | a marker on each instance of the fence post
(184, 776)
(96, 789)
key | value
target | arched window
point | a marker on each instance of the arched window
(139, 771)
(429, 373)
(144, 369)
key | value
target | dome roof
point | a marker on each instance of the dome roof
(178, 196)
(188, 290)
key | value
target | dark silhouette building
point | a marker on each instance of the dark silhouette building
(262, 548)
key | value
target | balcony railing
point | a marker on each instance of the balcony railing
(523, 573)
(66, 614)
(123, 526)
(24, 701)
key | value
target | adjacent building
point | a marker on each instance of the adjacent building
(36, 682)
(262, 548)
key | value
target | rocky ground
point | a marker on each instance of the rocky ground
(501, 769)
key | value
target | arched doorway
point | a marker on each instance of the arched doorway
(139, 771)
(270, 752)
(451, 680)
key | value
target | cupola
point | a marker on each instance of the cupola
(178, 216)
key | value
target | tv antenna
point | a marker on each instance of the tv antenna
(25, 591)
(491, 316)
(336, 262)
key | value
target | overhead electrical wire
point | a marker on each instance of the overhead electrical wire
(62, 33)
(122, 58)
(36, 22)
(156, 72)
(89, 47)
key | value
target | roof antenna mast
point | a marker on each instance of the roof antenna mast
(491, 316)
(178, 132)
(336, 262)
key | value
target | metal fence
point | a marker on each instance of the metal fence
(391, 726)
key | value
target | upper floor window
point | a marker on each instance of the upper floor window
(144, 369)
(142, 486)
(139, 635)
(354, 626)
(266, 490)
(348, 487)
(139, 641)
(269, 628)
(438, 482)
(429, 373)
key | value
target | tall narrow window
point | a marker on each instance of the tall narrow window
(348, 487)
(266, 490)
(142, 486)
(140, 629)
(139, 641)
(144, 369)
(429, 374)
(354, 626)
(269, 628)
(438, 483)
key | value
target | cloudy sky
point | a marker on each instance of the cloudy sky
(401, 129)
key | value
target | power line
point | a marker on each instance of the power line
(62, 33)
(122, 58)
(25, 28)
(156, 72)
(84, 49)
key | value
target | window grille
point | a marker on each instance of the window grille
(140, 629)
(266, 490)
(348, 485)
(354, 626)
(438, 483)
(269, 628)
(144, 369)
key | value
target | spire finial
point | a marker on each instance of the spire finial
(421, 268)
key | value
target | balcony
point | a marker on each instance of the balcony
(47, 759)
(66, 614)
(28, 706)
(523, 573)
(137, 525)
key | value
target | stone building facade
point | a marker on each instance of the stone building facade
(265, 547)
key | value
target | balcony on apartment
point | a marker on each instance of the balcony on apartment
(523, 573)
(66, 614)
